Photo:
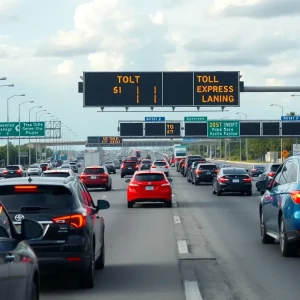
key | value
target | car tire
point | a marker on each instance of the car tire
(249, 193)
(262, 192)
(219, 193)
(188, 179)
(115, 172)
(169, 204)
(122, 176)
(129, 204)
(213, 190)
(107, 188)
(87, 276)
(35, 295)
(288, 249)
(265, 238)
(100, 262)
(110, 187)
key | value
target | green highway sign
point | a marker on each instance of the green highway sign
(223, 129)
(28, 129)
(195, 119)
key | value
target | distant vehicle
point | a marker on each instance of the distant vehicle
(96, 177)
(34, 170)
(179, 152)
(256, 170)
(129, 167)
(19, 270)
(232, 180)
(73, 236)
(59, 173)
(110, 166)
(1, 172)
(137, 153)
(149, 187)
(65, 166)
(117, 163)
(202, 173)
(269, 173)
(188, 162)
(145, 164)
(74, 166)
(13, 171)
(45, 166)
(161, 166)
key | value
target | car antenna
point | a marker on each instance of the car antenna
(29, 179)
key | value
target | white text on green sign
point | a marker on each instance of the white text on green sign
(24, 129)
(225, 129)
(195, 119)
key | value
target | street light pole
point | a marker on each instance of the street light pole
(45, 140)
(7, 120)
(41, 152)
(36, 139)
(29, 154)
(19, 148)
(246, 141)
(281, 140)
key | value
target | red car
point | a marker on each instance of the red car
(96, 177)
(147, 186)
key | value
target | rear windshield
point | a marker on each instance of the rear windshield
(116, 161)
(108, 162)
(44, 165)
(208, 167)
(73, 163)
(133, 158)
(66, 166)
(160, 163)
(34, 166)
(47, 197)
(149, 177)
(130, 164)
(259, 167)
(274, 168)
(94, 171)
(62, 174)
(146, 161)
(12, 168)
(234, 171)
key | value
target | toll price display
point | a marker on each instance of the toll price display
(122, 89)
(99, 140)
(173, 129)
(223, 129)
(216, 88)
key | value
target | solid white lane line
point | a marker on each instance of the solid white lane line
(182, 247)
(177, 220)
(191, 290)
(103, 196)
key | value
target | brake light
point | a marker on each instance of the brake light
(122, 167)
(295, 196)
(248, 179)
(136, 167)
(82, 175)
(153, 167)
(74, 259)
(166, 167)
(223, 179)
(271, 174)
(185, 164)
(166, 184)
(253, 169)
(77, 221)
(5, 172)
(198, 172)
(217, 171)
(133, 184)
(19, 171)
(25, 188)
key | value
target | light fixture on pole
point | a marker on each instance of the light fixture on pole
(41, 150)
(7, 120)
(8, 85)
(19, 147)
(29, 149)
(45, 140)
(3, 78)
(36, 139)
(246, 141)
(281, 141)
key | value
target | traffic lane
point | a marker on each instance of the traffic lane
(141, 257)
(228, 228)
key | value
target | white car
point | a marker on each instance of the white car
(161, 166)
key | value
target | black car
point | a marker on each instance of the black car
(204, 173)
(13, 171)
(256, 170)
(189, 174)
(110, 166)
(74, 166)
(145, 164)
(19, 270)
(45, 166)
(232, 180)
(73, 236)
(188, 162)
(1, 172)
(268, 175)
(128, 167)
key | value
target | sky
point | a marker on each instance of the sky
(46, 46)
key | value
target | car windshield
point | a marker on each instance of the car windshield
(12, 168)
(130, 164)
(274, 168)
(108, 163)
(56, 174)
(259, 167)
(34, 166)
(145, 161)
(44, 165)
(65, 166)
(160, 163)
(208, 167)
(232, 171)
(149, 177)
(51, 198)
(93, 171)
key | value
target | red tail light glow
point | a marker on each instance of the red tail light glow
(153, 167)
(25, 188)
(223, 179)
(253, 169)
(166, 167)
(198, 172)
(74, 259)
(19, 171)
(122, 167)
(271, 174)
(133, 184)
(295, 195)
(248, 179)
(5, 172)
(77, 221)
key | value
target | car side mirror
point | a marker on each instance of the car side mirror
(127, 180)
(102, 204)
(170, 179)
(247, 170)
(31, 229)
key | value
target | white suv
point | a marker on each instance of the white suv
(161, 166)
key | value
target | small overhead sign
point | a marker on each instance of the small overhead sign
(155, 119)
(290, 118)
(195, 119)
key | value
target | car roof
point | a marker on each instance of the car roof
(94, 167)
(231, 168)
(58, 171)
(129, 161)
(148, 171)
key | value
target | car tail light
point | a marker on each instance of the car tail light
(133, 184)
(25, 188)
(166, 184)
(166, 167)
(83, 175)
(217, 171)
(136, 167)
(248, 179)
(76, 221)
(223, 179)
(5, 172)
(73, 259)
(271, 174)
(185, 164)
(19, 171)
(122, 167)
(153, 167)
(295, 196)
(198, 172)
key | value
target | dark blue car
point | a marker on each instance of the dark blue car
(280, 208)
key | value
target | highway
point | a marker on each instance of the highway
(153, 252)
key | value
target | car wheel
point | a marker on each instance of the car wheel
(87, 275)
(100, 262)
(265, 239)
(213, 190)
(262, 192)
(107, 188)
(288, 249)
(129, 204)
(219, 193)
(169, 204)
(249, 193)
(188, 179)
(35, 295)
(122, 176)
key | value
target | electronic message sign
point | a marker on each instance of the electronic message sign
(104, 140)
(132, 129)
(290, 128)
(169, 89)
(155, 129)
(173, 129)
(250, 129)
(223, 129)
(195, 129)
(270, 128)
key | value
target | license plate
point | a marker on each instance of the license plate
(208, 173)
(93, 177)
(149, 188)
(235, 180)
(129, 168)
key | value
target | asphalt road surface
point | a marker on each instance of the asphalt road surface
(204, 241)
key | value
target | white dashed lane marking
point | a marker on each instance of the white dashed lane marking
(191, 290)
(177, 220)
(182, 247)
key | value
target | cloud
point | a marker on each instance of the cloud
(9, 52)
(6, 11)
(256, 9)
(103, 61)
(65, 68)
(274, 82)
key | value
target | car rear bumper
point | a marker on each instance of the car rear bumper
(236, 187)
(149, 198)
(95, 183)
(204, 178)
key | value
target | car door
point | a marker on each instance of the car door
(4, 275)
